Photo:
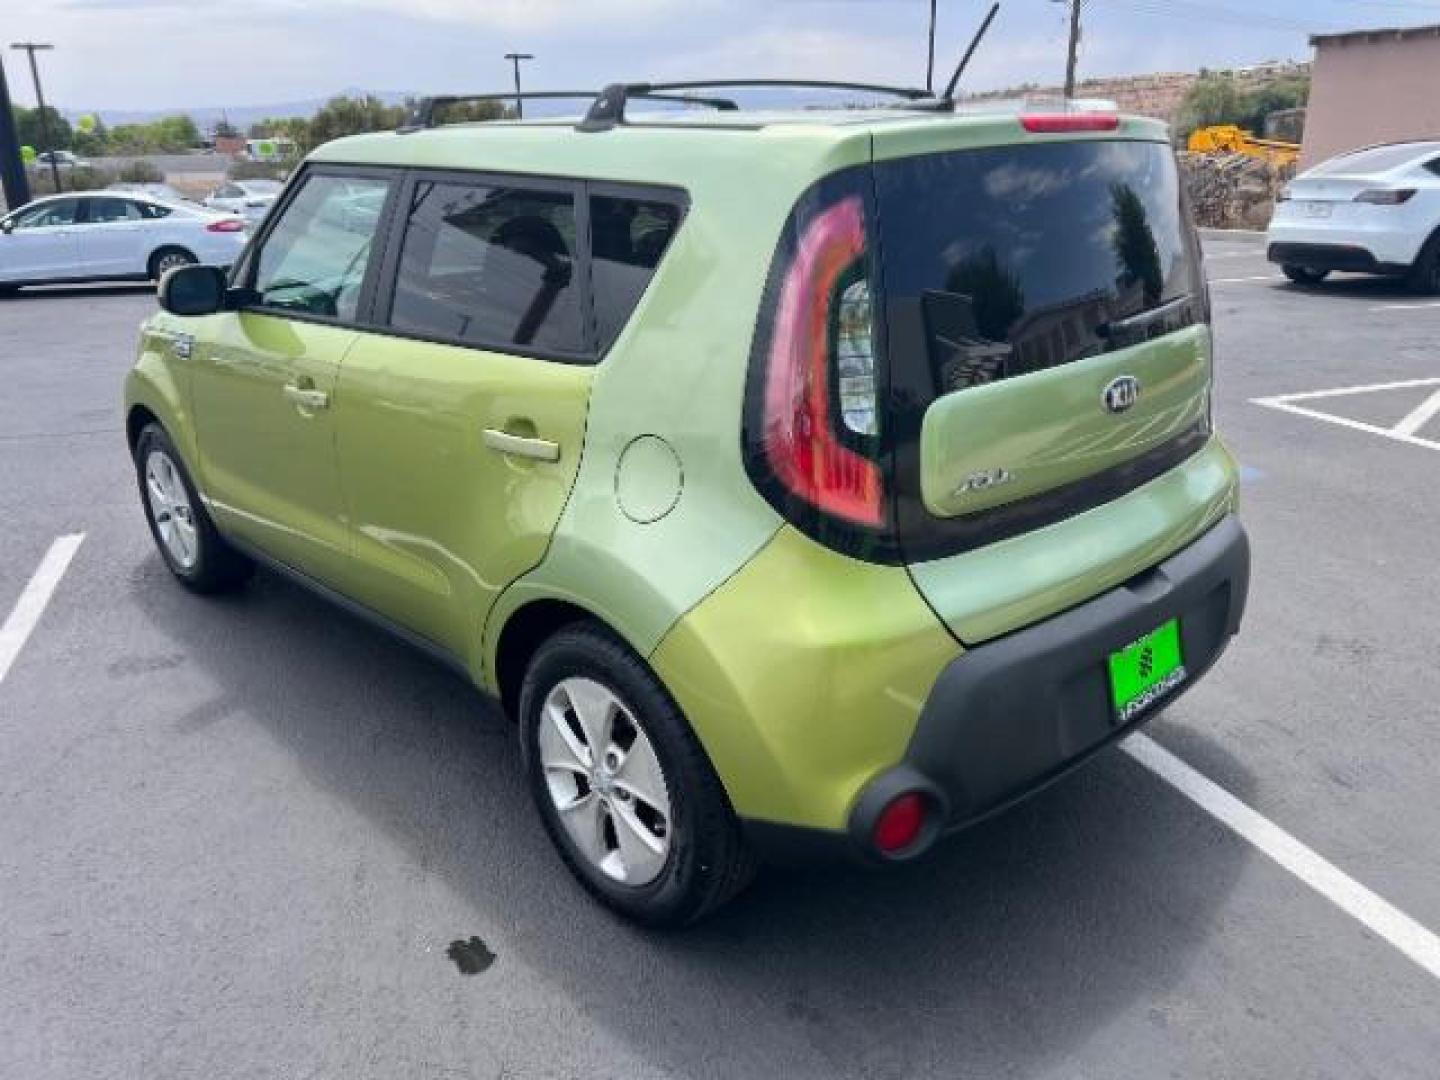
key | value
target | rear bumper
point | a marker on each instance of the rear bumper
(1342, 257)
(1011, 716)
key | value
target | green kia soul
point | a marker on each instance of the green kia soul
(797, 481)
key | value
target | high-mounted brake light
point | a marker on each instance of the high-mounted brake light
(1059, 123)
(226, 225)
(822, 290)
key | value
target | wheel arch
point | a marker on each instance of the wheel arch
(161, 249)
(519, 635)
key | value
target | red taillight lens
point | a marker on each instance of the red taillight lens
(900, 824)
(800, 442)
(1058, 123)
(226, 225)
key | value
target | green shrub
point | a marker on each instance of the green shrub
(87, 178)
(141, 171)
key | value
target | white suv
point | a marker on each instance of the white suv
(1375, 211)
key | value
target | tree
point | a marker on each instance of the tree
(1211, 99)
(342, 116)
(94, 142)
(995, 292)
(28, 128)
(226, 130)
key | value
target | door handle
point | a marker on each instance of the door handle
(306, 399)
(521, 446)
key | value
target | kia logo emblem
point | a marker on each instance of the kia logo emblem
(1121, 394)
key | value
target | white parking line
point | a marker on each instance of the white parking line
(1403, 432)
(1371, 911)
(1241, 280)
(1407, 307)
(34, 599)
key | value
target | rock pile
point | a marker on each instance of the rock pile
(1232, 191)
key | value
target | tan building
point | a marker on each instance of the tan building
(1372, 86)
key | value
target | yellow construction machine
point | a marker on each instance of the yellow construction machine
(1231, 139)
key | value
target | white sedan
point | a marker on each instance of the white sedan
(1375, 211)
(248, 198)
(104, 236)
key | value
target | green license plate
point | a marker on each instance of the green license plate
(1146, 670)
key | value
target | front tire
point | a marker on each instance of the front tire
(622, 784)
(1304, 275)
(194, 551)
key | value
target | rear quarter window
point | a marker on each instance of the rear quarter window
(629, 237)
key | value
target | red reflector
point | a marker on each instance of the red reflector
(226, 225)
(1056, 123)
(899, 824)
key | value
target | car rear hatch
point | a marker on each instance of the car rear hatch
(1046, 328)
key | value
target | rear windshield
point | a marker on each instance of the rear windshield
(1018, 259)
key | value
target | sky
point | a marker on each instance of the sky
(154, 54)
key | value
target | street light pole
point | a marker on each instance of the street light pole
(32, 47)
(930, 63)
(515, 58)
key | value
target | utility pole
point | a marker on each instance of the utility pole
(32, 47)
(1074, 48)
(930, 63)
(12, 168)
(515, 58)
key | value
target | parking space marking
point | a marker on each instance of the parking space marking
(1403, 432)
(1242, 280)
(1370, 910)
(36, 597)
(1407, 307)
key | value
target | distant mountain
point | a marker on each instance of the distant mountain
(242, 116)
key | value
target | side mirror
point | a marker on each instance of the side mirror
(192, 290)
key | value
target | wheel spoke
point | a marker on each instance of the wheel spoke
(639, 774)
(585, 822)
(594, 707)
(559, 748)
(642, 853)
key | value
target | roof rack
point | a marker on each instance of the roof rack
(608, 109)
(426, 110)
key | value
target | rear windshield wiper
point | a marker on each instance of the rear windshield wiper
(1172, 313)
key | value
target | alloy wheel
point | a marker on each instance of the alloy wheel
(171, 510)
(605, 781)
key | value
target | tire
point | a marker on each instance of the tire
(704, 861)
(1424, 276)
(1304, 275)
(168, 258)
(197, 555)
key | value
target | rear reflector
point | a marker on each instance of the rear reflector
(226, 225)
(1057, 123)
(900, 823)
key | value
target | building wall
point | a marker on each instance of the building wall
(1372, 88)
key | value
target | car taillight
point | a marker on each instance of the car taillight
(1386, 196)
(1060, 123)
(226, 225)
(822, 336)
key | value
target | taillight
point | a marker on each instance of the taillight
(1060, 123)
(822, 336)
(226, 225)
(1386, 196)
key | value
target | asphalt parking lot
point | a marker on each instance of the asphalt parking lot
(237, 836)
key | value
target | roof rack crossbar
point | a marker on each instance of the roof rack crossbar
(609, 107)
(426, 110)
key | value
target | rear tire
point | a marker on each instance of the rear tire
(1304, 275)
(169, 258)
(1424, 276)
(647, 788)
(194, 551)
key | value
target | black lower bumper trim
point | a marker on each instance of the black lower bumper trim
(1342, 257)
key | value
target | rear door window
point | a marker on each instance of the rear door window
(1023, 258)
(488, 264)
(629, 237)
